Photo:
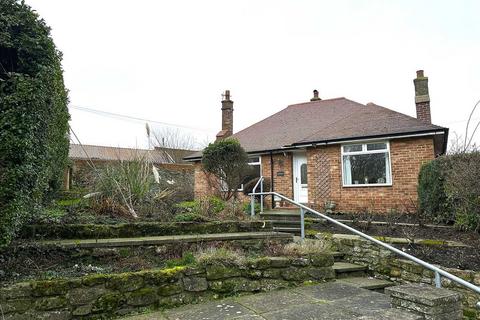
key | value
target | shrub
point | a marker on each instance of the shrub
(227, 161)
(221, 255)
(129, 187)
(305, 248)
(189, 217)
(449, 190)
(187, 259)
(33, 117)
(434, 203)
(247, 208)
(204, 206)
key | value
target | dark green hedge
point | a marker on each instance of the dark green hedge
(449, 190)
(33, 117)
(433, 201)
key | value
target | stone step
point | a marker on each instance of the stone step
(161, 240)
(290, 230)
(276, 223)
(338, 256)
(346, 269)
(367, 282)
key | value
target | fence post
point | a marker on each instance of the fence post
(438, 280)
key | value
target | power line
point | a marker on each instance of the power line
(137, 119)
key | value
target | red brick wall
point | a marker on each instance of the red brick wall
(325, 178)
(204, 185)
(282, 174)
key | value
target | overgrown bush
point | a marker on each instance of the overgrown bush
(449, 190)
(33, 117)
(130, 188)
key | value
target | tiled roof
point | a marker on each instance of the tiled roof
(102, 153)
(326, 121)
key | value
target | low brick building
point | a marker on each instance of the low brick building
(86, 159)
(338, 151)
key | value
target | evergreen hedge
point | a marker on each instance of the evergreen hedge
(33, 117)
(449, 190)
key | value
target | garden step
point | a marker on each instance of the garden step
(161, 240)
(337, 255)
(346, 269)
(367, 282)
(290, 230)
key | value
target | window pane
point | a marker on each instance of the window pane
(352, 148)
(376, 146)
(253, 172)
(303, 173)
(366, 169)
(253, 160)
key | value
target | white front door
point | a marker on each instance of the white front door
(300, 184)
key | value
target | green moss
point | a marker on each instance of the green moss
(124, 282)
(108, 302)
(432, 242)
(49, 287)
(470, 314)
(50, 303)
(162, 276)
(95, 279)
(142, 297)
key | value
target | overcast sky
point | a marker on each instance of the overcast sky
(169, 61)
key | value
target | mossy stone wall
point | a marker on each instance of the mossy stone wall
(105, 296)
(384, 264)
(141, 229)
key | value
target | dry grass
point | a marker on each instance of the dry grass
(222, 255)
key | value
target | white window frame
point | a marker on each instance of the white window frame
(259, 163)
(365, 151)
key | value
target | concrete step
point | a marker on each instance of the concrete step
(367, 283)
(338, 256)
(290, 230)
(346, 269)
(161, 240)
(294, 224)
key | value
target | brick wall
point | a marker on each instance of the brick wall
(203, 185)
(325, 178)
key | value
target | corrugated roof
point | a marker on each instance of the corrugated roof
(325, 121)
(102, 153)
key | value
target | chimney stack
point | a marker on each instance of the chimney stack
(227, 116)
(422, 98)
(315, 96)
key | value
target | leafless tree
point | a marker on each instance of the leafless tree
(175, 142)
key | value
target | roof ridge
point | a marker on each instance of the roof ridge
(318, 101)
(110, 147)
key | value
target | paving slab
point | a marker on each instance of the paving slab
(330, 291)
(275, 300)
(393, 314)
(366, 282)
(148, 316)
(366, 303)
(216, 310)
(312, 311)
(341, 267)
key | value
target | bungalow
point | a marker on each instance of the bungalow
(338, 152)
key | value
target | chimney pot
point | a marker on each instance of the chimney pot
(420, 74)
(315, 96)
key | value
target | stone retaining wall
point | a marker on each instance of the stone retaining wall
(384, 264)
(141, 229)
(111, 295)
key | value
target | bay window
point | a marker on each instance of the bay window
(366, 164)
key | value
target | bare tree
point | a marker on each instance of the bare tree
(174, 142)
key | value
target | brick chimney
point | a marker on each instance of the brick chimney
(315, 96)
(422, 99)
(227, 117)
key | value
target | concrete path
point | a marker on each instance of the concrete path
(328, 301)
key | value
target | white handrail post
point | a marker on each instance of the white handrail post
(261, 197)
(302, 224)
(438, 280)
(252, 206)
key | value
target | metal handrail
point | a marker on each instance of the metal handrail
(252, 198)
(438, 272)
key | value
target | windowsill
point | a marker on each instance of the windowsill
(376, 185)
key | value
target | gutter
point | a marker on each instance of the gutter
(294, 146)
